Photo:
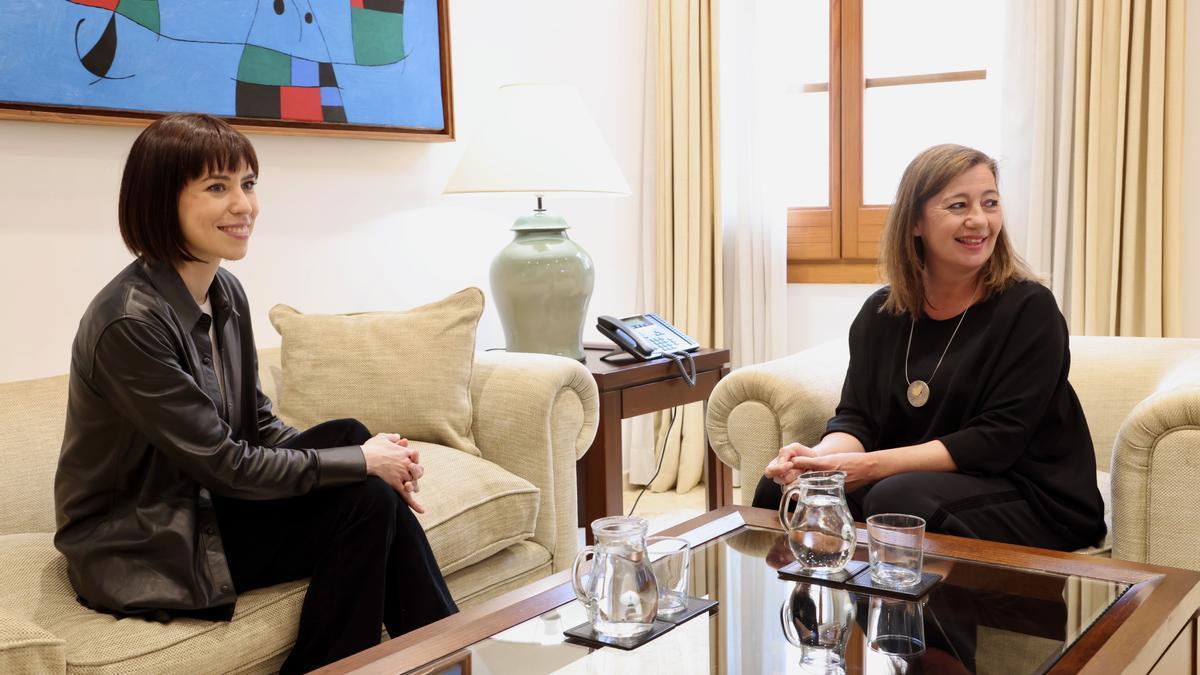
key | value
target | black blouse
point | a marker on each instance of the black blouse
(1000, 401)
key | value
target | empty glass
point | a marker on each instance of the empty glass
(896, 542)
(670, 557)
(818, 620)
(820, 529)
(895, 635)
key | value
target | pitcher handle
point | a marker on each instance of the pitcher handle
(785, 621)
(783, 504)
(580, 592)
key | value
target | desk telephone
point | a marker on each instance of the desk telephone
(649, 336)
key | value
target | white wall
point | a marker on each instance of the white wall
(819, 313)
(346, 225)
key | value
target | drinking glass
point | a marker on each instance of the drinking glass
(896, 542)
(670, 558)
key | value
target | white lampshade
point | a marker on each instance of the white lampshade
(540, 139)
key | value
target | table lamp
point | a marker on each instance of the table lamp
(540, 140)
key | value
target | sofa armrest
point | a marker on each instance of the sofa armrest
(1155, 470)
(757, 409)
(26, 647)
(535, 415)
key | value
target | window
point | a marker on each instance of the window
(876, 82)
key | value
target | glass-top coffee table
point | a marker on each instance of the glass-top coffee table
(999, 609)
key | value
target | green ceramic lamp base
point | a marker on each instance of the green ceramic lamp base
(541, 283)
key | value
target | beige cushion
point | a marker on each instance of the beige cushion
(32, 416)
(27, 648)
(401, 372)
(1103, 548)
(34, 586)
(508, 570)
(257, 640)
(473, 508)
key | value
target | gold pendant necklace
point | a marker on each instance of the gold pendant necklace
(918, 390)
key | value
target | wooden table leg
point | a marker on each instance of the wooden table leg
(598, 474)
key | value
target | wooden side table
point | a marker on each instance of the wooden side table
(629, 388)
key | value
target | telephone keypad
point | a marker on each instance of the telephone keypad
(660, 339)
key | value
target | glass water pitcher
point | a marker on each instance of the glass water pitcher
(820, 529)
(619, 591)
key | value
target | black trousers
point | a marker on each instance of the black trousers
(366, 556)
(951, 503)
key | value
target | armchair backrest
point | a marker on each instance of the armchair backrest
(1111, 375)
(33, 417)
(32, 420)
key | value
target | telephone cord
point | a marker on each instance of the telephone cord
(662, 455)
(678, 357)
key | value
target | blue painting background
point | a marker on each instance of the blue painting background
(39, 64)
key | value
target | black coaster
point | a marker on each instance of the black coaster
(695, 607)
(584, 635)
(794, 572)
(863, 582)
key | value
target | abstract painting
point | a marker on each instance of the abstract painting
(356, 67)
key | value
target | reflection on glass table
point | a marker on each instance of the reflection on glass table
(818, 620)
(981, 618)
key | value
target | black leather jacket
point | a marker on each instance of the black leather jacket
(149, 439)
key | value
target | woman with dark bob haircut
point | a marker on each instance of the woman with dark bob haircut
(178, 487)
(956, 405)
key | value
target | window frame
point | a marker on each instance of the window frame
(839, 243)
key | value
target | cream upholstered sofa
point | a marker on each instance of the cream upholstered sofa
(1141, 397)
(495, 522)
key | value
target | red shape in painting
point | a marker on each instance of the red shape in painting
(102, 4)
(300, 103)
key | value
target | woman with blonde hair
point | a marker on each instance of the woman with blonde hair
(956, 405)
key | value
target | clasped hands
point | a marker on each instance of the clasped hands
(796, 459)
(389, 457)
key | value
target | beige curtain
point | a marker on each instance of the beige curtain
(688, 236)
(1125, 228)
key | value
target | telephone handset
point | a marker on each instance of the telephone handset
(649, 336)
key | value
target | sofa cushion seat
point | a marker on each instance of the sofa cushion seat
(34, 586)
(473, 508)
(47, 630)
(515, 566)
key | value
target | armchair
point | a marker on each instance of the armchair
(1141, 397)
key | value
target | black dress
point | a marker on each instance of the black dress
(1001, 404)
